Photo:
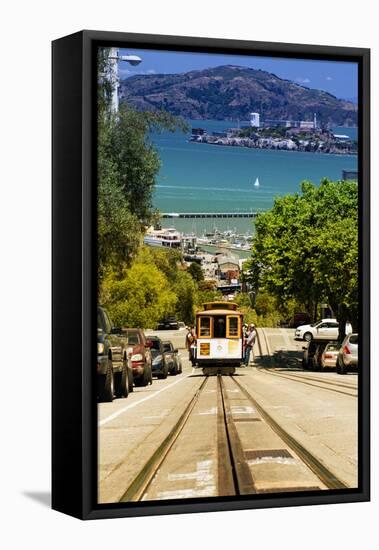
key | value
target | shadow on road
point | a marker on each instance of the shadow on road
(281, 360)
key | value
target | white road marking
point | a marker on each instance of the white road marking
(204, 482)
(273, 459)
(132, 405)
(213, 410)
(242, 410)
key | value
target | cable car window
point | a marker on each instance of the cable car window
(232, 327)
(219, 330)
(205, 326)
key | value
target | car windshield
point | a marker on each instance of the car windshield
(155, 344)
(167, 347)
(316, 323)
(332, 347)
(133, 339)
(354, 339)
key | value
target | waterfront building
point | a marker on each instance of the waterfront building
(228, 267)
(254, 120)
(309, 124)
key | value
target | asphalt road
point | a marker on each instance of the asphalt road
(170, 439)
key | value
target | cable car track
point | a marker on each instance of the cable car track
(235, 476)
(307, 380)
(304, 380)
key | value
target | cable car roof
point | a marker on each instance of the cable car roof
(228, 306)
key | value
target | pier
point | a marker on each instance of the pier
(209, 215)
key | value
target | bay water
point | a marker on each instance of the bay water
(198, 177)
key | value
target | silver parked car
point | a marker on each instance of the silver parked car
(348, 353)
(329, 356)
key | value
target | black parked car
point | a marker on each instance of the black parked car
(168, 323)
(114, 373)
(160, 361)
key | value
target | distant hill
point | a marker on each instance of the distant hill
(231, 92)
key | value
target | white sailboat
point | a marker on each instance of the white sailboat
(256, 183)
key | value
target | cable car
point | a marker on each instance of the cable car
(219, 347)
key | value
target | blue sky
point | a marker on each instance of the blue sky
(335, 77)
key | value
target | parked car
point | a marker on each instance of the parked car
(328, 356)
(308, 354)
(326, 329)
(299, 319)
(159, 358)
(114, 374)
(168, 323)
(325, 354)
(348, 353)
(139, 356)
(174, 362)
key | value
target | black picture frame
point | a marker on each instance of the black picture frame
(74, 447)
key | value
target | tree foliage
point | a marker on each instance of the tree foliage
(140, 299)
(127, 165)
(306, 248)
(196, 272)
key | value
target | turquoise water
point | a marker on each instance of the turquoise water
(197, 177)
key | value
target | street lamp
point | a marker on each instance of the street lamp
(114, 58)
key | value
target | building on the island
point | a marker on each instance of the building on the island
(198, 131)
(219, 134)
(254, 120)
(306, 124)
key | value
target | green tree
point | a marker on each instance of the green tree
(306, 248)
(185, 289)
(140, 299)
(196, 272)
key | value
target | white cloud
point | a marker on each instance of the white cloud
(302, 80)
(329, 78)
(123, 72)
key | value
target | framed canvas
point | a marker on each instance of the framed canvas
(210, 275)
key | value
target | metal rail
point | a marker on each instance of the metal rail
(305, 379)
(140, 484)
(319, 469)
(234, 473)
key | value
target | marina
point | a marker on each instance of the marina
(210, 215)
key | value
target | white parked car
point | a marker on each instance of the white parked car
(326, 329)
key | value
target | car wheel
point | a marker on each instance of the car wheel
(121, 382)
(131, 380)
(165, 372)
(106, 385)
(308, 336)
(341, 369)
(150, 375)
(145, 379)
